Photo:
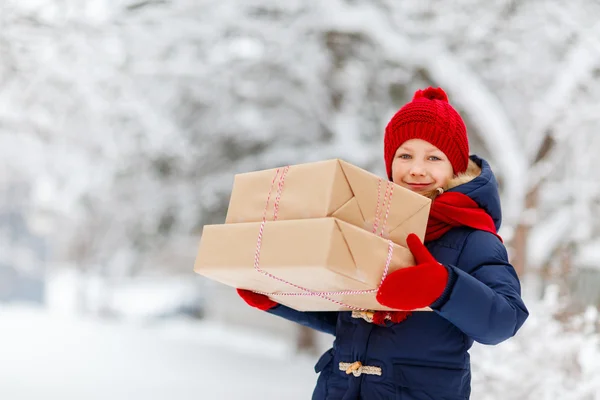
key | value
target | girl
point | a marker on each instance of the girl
(462, 273)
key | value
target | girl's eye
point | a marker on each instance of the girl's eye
(434, 158)
(404, 156)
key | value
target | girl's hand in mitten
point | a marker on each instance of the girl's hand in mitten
(256, 300)
(414, 287)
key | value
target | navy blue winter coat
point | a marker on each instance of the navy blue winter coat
(426, 356)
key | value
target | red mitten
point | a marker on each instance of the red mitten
(414, 287)
(256, 300)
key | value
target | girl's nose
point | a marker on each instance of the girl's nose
(417, 170)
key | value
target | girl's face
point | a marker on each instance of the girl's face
(421, 167)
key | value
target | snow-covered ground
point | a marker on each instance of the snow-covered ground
(48, 356)
(145, 351)
(52, 355)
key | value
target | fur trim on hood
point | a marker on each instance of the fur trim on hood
(472, 172)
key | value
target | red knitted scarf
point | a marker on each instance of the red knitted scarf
(453, 209)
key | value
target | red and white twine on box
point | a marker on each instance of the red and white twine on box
(308, 292)
(389, 188)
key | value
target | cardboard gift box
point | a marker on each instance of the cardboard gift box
(285, 258)
(332, 188)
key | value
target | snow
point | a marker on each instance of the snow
(545, 360)
(122, 124)
(51, 354)
(547, 235)
(54, 357)
(577, 68)
(589, 255)
(134, 299)
(219, 89)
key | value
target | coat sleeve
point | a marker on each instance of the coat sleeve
(321, 321)
(483, 295)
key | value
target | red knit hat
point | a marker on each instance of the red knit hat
(429, 117)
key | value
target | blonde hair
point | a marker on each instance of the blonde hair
(432, 194)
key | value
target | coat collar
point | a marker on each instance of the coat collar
(479, 183)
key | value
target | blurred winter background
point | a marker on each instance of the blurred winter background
(122, 123)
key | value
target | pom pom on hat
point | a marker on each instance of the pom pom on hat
(431, 94)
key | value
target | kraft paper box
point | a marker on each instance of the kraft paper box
(324, 254)
(332, 188)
